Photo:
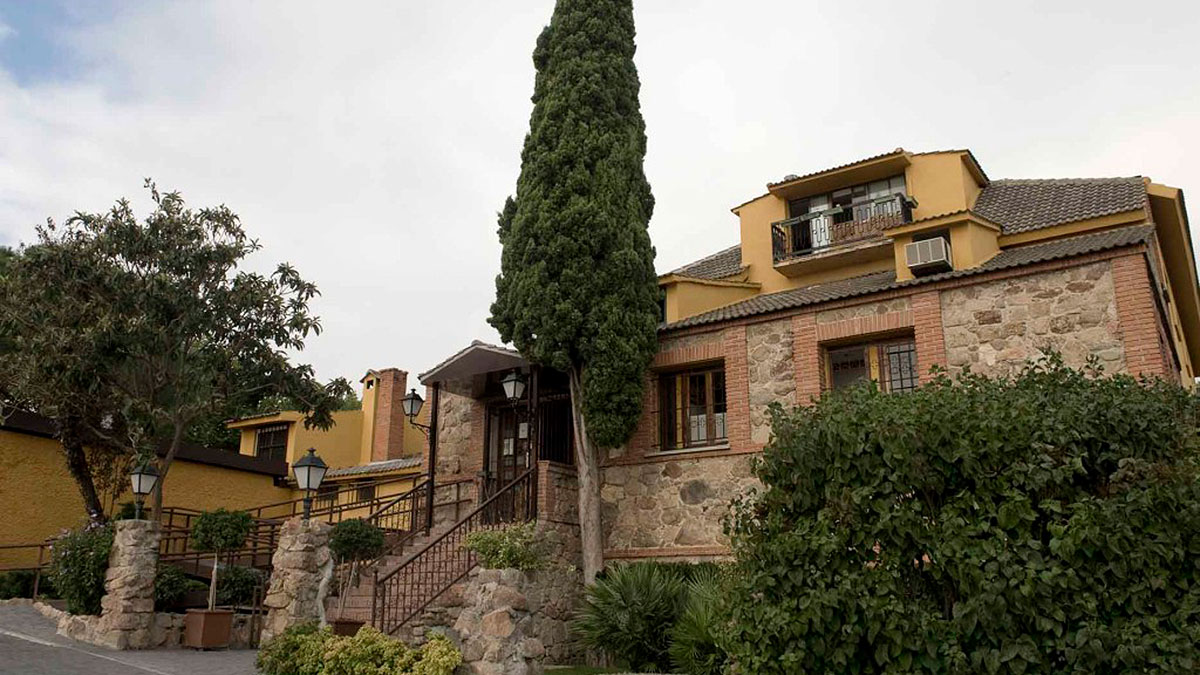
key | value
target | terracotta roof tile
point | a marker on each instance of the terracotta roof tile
(881, 281)
(1024, 205)
(716, 266)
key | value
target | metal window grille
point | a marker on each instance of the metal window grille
(271, 442)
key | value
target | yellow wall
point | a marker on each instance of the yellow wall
(689, 298)
(756, 218)
(38, 497)
(339, 446)
(941, 183)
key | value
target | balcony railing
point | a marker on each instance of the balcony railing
(813, 232)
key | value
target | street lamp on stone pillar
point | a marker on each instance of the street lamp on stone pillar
(514, 386)
(142, 480)
(411, 405)
(309, 472)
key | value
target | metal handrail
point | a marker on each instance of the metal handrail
(404, 592)
(821, 225)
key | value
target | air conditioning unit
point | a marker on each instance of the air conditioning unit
(928, 255)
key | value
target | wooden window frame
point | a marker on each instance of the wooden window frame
(877, 357)
(677, 403)
(271, 429)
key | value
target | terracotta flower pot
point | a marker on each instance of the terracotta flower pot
(348, 627)
(207, 629)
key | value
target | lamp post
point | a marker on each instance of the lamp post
(411, 405)
(309, 472)
(142, 480)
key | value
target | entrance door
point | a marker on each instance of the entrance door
(508, 453)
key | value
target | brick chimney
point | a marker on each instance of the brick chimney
(388, 418)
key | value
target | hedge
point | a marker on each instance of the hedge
(1045, 523)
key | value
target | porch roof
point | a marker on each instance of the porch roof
(479, 358)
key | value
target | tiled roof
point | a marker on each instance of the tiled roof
(793, 177)
(881, 281)
(375, 467)
(716, 266)
(1023, 205)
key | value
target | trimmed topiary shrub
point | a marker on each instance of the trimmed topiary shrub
(218, 531)
(307, 650)
(514, 546)
(628, 614)
(351, 542)
(170, 587)
(78, 563)
(1045, 523)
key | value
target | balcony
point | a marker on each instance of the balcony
(806, 243)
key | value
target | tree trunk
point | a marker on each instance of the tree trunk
(79, 469)
(212, 584)
(164, 465)
(587, 467)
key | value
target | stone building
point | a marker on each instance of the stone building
(880, 269)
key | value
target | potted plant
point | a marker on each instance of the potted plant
(214, 532)
(351, 542)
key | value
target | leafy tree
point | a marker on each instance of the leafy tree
(147, 328)
(54, 357)
(1047, 523)
(216, 532)
(577, 289)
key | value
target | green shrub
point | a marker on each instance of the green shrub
(16, 584)
(170, 587)
(78, 563)
(221, 530)
(236, 584)
(126, 511)
(1045, 523)
(299, 650)
(695, 639)
(305, 650)
(628, 614)
(514, 546)
(439, 656)
(356, 539)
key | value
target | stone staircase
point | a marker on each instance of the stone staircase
(360, 597)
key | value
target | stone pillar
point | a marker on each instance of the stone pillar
(303, 568)
(127, 608)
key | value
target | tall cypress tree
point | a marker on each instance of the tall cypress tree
(577, 289)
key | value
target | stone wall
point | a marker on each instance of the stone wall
(995, 328)
(127, 617)
(302, 571)
(675, 503)
(166, 632)
(515, 622)
(460, 432)
(771, 373)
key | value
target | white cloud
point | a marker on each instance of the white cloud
(370, 144)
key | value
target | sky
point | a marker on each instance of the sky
(370, 144)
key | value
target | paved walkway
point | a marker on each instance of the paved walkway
(29, 645)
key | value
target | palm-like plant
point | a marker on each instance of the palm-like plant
(628, 614)
(694, 646)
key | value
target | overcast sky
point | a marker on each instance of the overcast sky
(371, 143)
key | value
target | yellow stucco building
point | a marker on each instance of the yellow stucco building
(374, 452)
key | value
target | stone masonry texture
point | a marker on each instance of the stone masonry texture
(677, 503)
(995, 328)
(771, 379)
(302, 569)
(127, 617)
